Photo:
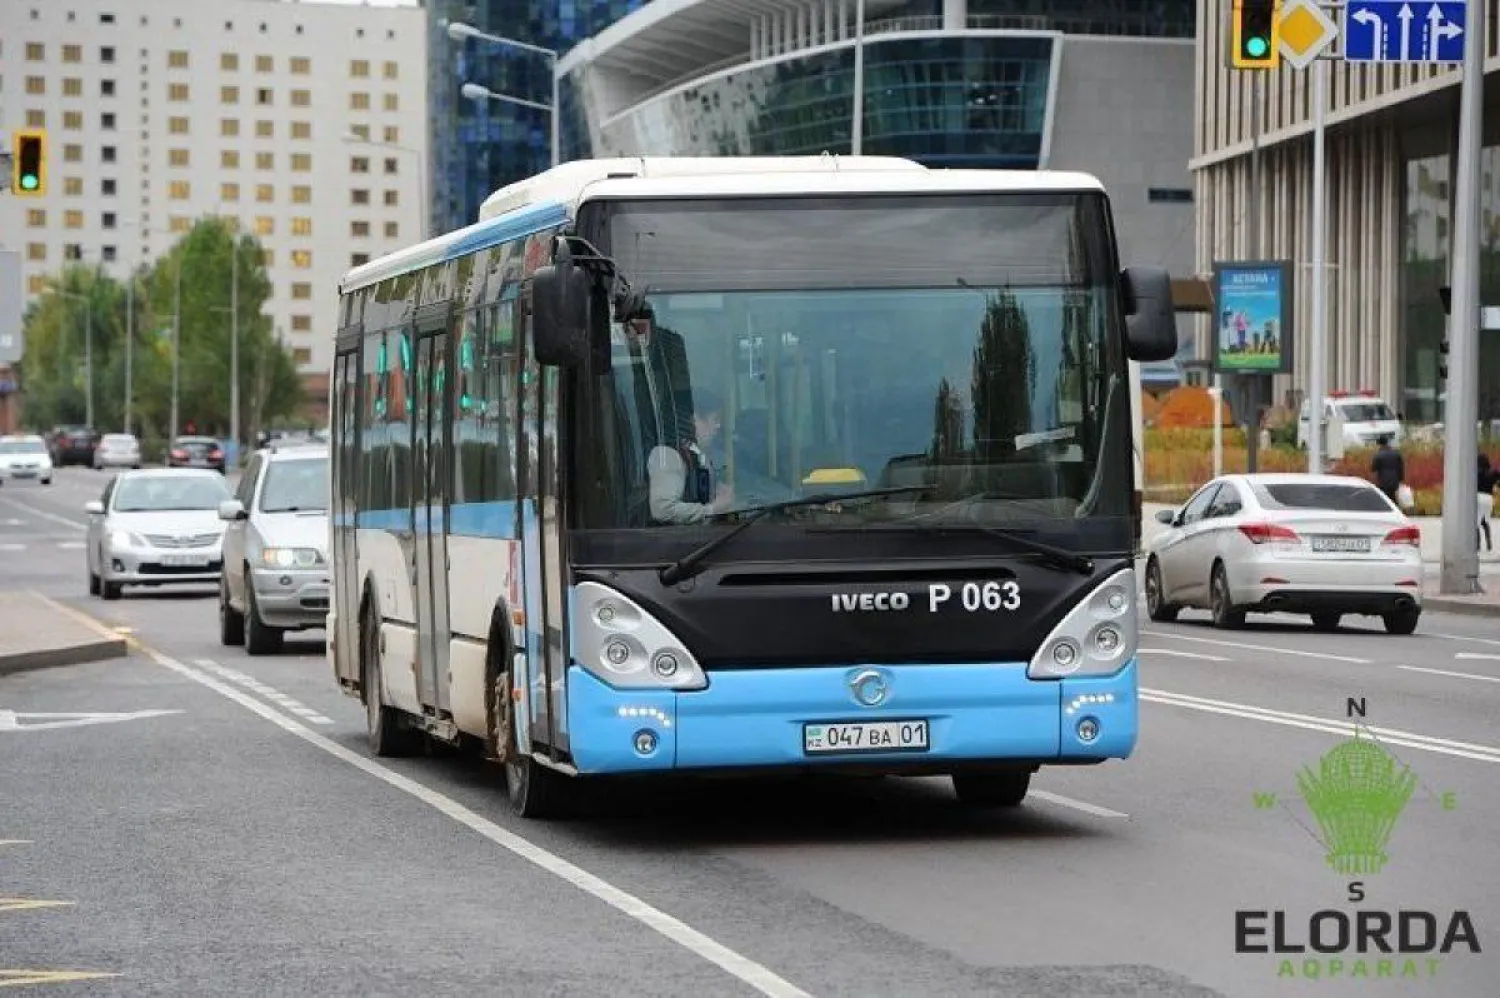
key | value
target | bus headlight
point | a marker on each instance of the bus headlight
(1097, 637)
(625, 646)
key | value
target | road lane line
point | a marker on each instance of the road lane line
(45, 515)
(763, 979)
(12, 547)
(1183, 654)
(1462, 637)
(1076, 804)
(1479, 655)
(251, 683)
(1455, 675)
(1390, 736)
(1265, 648)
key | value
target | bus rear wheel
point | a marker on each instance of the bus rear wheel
(387, 735)
(986, 790)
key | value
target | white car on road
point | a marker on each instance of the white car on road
(25, 457)
(117, 450)
(156, 527)
(1322, 545)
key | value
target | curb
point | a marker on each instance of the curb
(107, 646)
(1465, 607)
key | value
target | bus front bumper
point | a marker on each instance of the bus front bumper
(757, 718)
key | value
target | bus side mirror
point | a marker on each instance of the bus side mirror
(561, 299)
(1150, 321)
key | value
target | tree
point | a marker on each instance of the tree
(1004, 378)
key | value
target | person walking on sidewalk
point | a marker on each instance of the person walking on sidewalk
(1389, 469)
(1488, 479)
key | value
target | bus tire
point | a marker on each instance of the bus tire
(535, 790)
(388, 736)
(987, 790)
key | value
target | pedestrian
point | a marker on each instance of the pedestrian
(1488, 479)
(1389, 469)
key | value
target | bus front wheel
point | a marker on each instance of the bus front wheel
(1006, 789)
(535, 790)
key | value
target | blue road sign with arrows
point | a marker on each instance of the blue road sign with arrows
(1404, 31)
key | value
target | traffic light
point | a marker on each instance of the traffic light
(29, 169)
(1255, 34)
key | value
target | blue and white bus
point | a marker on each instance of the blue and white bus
(744, 464)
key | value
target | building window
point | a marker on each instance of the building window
(177, 92)
(108, 253)
(178, 157)
(359, 164)
(73, 187)
(301, 65)
(73, 120)
(229, 159)
(107, 53)
(229, 61)
(301, 98)
(72, 53)
(263, 97)
(301, 162)
(36, 251)
(265, 225)
(177, 126)
(359, 230)
(391, 70)
(358, 259)
(36, 85)
(229, 127)
(179, 190)
(107, 121)
(265, 129)
(72, 219)
(301, 291)
(107, 154)
(301, 323)
(268, 257)
(302, 259)
(265, 161)
(357, 102)
(391, 102)
(36, 119)
(72, 153)
(264, 64)
(36, 52)
(391, 167)
(1170, 195)
(301, 129)
(106, 88)
(301, 195)
(229, 95)
(392, 198)
(301, 356)
(36, 284)
(108, 219)
(359, 196)
(359, 69)
(229, 192)
(361, 132)
(265, 193)
(72, 87)
(301, 226)
(107, 187)
(177, 60)
(393, 230)
(392, 134)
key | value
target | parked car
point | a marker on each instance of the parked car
(117, 450)
(73, 445)
(196, 452)
(1322, 545)
(276, 568)
(25, 457)
(156, 527)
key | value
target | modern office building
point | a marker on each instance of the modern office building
(1391, 130)
(304, 121)
(1102, 86)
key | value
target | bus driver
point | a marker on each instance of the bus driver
(683, 478)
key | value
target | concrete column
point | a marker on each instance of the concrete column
(955, 15)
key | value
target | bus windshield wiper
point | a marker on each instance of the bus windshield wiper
(1062, 558)
(690, 564)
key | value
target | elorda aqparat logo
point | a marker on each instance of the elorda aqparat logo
(1356, 795)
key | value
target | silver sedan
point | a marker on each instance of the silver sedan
(156, 527)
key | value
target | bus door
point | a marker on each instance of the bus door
(431, 474)
(346, 482)
(546, 576)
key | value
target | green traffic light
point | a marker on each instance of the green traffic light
(1257, 47)
(29, 182)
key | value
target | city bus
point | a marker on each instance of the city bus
(746, 465)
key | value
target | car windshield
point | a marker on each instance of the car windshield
(1366, 412)
(22, 447)
(159, 493)
(295, 486)
(1353, 498)
(793, 352)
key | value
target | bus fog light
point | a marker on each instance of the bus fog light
(1064, 655)
(645, 742)
(665, 664)
(617, 652)
(1088, 729)
(1107, 640)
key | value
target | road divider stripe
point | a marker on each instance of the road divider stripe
(1462, 637)
(760, 978)
(45, 515)
(1455, 675)
(1176, 653)
(1077, 805)
(1477, 656)
(270, 693)
(1389, 736)
(1265, 648)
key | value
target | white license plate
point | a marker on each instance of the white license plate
(1356, 544)
(185, 560)
(866, 736)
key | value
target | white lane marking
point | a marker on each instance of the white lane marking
(12, 547)
(251, 683)
(10, 720)
(1265, 648)
(45, 515)
(757, 976)
(72, 545)
(1392, 736)
(1183, 654)
(15, 523)
(1077, 805)
(1461, 637)
(1484, 656)
(1455, 675)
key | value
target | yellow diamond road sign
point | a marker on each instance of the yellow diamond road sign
(1305, 32)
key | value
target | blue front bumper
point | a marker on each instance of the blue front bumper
(754, 718)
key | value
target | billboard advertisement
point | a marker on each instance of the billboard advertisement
(1252, 317)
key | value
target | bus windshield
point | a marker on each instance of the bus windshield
(964, 348)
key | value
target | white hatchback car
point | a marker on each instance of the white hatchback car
(1323, 545)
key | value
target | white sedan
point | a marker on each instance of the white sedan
(1323, 545)
(25, 457)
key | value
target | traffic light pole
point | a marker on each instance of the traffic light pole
(1460, 573)
(1317, 333)
(1250, 383)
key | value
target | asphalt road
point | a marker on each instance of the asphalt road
(247, 843)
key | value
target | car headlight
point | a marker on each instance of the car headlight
(291, 557)
(125, 539)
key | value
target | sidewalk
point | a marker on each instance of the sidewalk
(40, 633)
(1486, 603)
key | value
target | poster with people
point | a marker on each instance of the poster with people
(1252, 317)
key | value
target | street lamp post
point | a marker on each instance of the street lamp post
(352, 139)
(234, 347)
(473, 91)
(88, 353)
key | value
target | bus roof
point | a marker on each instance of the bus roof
(552, 198)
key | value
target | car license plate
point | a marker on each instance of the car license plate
(184, 560)
(1357, 544)
(865, 736)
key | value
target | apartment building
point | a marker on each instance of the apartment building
(306, 122)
